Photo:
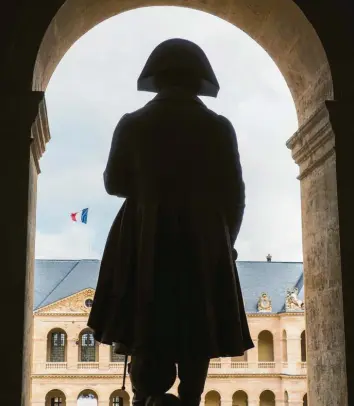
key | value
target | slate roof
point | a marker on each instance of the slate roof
(57, 279)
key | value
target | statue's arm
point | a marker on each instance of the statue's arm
(118, 175)
(234, 187)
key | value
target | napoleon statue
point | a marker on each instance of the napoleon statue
(168, 292)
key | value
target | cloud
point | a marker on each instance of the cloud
(74, 241)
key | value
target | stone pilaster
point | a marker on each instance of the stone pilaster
(313, 149)
(252, 355)
(18, 182)
(294, 352)
(104, 356)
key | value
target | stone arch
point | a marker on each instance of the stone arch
(87, 347)
(267, 398)
(282, 29)
(119, 398)
(212, 398)
(284, 346)
(55, 397)
(240, 398)
(265, 346)
(279, 27)
(57, 344)
(303, 346)
(87, 397)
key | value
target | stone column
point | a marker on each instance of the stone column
(18, 183)
(341, 117)
(313, 149)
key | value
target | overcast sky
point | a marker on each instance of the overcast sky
(95, 84)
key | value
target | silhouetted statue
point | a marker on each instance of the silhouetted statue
(168, 290)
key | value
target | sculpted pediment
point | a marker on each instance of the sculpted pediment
(78, 303)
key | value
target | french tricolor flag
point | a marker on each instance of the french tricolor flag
(80, 216)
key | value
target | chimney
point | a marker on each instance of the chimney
(269, 258)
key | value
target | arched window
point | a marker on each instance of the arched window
(212, 398)
(87, 398)
(119, 398)
(267, 398)
(240, 398)
(56, 346)
(285, 347)
(116, 357)
(303, 346)
(55, 398)
(88, 347)
(286, 398)
(265, 346)
(304, 400)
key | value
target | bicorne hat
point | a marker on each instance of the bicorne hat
(179, 55)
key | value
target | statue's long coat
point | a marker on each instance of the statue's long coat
(168, 278)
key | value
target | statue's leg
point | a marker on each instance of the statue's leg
(192, 373)
(151, 376)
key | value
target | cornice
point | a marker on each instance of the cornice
(40, 133)
(276, 315)
(313, 143)
(117, 376)
(261, 314)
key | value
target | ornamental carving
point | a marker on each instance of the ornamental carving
(264, 303)
(292, 302)
(78, 303)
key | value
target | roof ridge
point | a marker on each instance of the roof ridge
(67, 259)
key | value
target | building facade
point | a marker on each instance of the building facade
(70, 368)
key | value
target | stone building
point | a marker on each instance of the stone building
(69, 368)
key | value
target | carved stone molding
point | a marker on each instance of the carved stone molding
(71, 305)
(292, 302)
(40, 134)
(313, 143)
(264, 303)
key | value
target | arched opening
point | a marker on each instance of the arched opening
(267, 398)
(119, 398)
(55, 398)
(88, 348)
(265, 346)
(284, 347)
(212, 398)
(304, 400)
(306, 78)
(87, 398)
(286, 399)
(305, 69)
(303, 346)
(240, 398)
(56, 346)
